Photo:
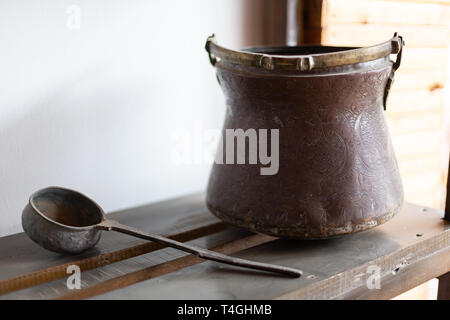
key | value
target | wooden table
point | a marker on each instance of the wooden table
(408, 250)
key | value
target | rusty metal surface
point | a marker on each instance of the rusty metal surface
(338, 173)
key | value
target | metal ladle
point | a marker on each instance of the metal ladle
(67, 221)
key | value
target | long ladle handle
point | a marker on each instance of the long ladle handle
(200, 252)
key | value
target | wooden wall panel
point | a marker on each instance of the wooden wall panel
(418, 144)
(386, 12)
(412, 80)
(415, 122)
(415, 110)
(424, 58)
(369, 34)
(417, 101)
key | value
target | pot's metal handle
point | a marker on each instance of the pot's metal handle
(397, 46)
(212, 58)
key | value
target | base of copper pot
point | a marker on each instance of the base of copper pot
(306, 232)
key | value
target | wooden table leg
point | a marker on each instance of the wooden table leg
(444, 280)
(444, 287)
(447, 201)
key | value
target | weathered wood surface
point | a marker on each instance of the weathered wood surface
(23, 263)
(331, 267)
(129, 271)
(230, 247)
(415, 245)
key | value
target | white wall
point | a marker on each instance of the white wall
(95, 108)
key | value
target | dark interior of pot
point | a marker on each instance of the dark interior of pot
(298, 50)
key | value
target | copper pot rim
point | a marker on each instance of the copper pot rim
(338, 56)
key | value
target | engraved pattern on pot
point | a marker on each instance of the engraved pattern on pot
(338, 172)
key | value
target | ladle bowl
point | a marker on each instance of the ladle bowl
(63, 220)
(66, 221)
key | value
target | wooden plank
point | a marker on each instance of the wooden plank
(419, 164)
(413, 79)
(394, 239)
(23, 263)
(417, 143)
(384, 12)
(409, 278)
(416, 101)
(444, 2)
(332, 268)
(95, 262)
(415, 122)
(165, 268)
(115, 272)
(367, 35)
(424, 58)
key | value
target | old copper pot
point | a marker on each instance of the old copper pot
(337, 169)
